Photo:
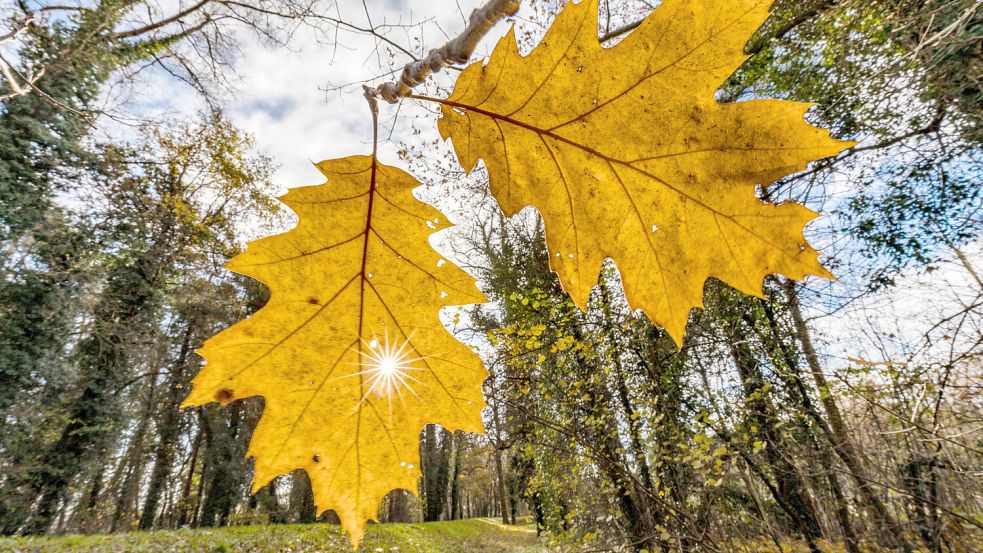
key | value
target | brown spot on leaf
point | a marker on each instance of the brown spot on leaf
(224, 395)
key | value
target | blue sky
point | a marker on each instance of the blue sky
(285, 98)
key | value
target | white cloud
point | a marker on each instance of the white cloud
(282, 102)
(281, 97)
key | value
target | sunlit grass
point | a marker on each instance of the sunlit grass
(460, 536)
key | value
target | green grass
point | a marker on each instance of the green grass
(480, 535)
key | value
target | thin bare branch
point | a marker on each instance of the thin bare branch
(456, 50)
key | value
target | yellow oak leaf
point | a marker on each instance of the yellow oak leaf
(627, 155)
(349, 353)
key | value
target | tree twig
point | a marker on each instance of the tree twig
(620, 30)
(456, 50)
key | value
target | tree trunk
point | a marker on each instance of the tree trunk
(842, 443)
(220, 466)
(790, 484)
(265, 501)
(134, 462)
(604, 433)
(436, 469)
(398, 506)
(302, 507)
(169, 431)
(86, 515)
(784, 357)
(624, 396)
(102, 359)
(185, 515)
(455, 512)
(499, 468)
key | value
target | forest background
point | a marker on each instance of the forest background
(142, 142)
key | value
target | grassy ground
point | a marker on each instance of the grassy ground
(479, 535)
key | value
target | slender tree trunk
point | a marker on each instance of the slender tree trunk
(499, 468)
(102, 359)
(221, 466)
(758, 505)
(436, 469)
(129, 489)
(455, 512)
(842, 507)
(185, 515)
(624, 396)
(604, 433)
(786, 361)
(843, 444)
(398, 507)
(86, 516)
(169, 431)
(790, 484)
(302, 507)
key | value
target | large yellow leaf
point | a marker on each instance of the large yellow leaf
(356, 278)
(627, 155)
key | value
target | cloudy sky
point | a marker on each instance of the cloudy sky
(305, 105)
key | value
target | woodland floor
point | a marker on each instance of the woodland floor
(479, 535)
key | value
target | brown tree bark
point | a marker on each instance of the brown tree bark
(842, 443)
(455, 508)
(134, 463)
(621, 386)
(397, 508)
(436, 470)
(302, 507)
(786, 363)
(220, 469)
(168, 431)
(499, 468)
(790, 485)
(186, 515)
(604, 433)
